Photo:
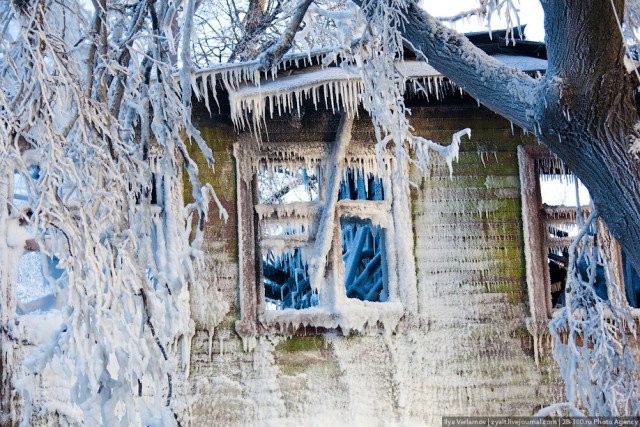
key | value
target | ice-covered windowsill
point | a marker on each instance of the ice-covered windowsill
(376, 211)
(352, 315)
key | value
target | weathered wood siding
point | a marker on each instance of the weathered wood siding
(467, 352)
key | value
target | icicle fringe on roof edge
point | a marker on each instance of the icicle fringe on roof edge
(252, 91)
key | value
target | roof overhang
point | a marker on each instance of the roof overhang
(253, 94)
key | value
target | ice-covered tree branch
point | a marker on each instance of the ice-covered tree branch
(479, 12)
(272, 56)
(91, 90)
(507, 91)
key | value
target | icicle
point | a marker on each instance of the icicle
(211, 332)
(248, 343)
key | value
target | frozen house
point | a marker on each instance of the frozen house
(350, 303)
(350, 285)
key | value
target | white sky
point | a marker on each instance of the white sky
(530, 14)
(556, 190)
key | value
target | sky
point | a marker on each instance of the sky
(530, 14)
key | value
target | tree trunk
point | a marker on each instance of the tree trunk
(249, 47)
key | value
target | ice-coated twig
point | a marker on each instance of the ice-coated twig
(590, 337)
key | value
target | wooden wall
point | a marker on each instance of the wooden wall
(467, 351)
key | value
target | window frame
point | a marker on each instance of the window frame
(535, 219)
(334, 309)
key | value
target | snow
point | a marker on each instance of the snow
(17, 235)
(286, 94)
(39, 328)
(557, 190)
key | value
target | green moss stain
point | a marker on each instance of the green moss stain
(298, 355)
(222, 177)
(302, 344)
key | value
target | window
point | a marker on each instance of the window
(317, 236)
(551, 199)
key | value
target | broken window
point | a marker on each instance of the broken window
(285, 277)
(554, 202)
(316, 230)
(563, 197)
(363, 254)
(287, 206)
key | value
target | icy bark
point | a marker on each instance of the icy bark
(591, 112)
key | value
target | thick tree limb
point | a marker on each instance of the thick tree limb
(590, 110)
(505, 90)
(274, 54)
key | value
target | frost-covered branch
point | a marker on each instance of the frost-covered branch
(505, 90)
(480, 12)
(272, 56)
(90, 100)
(591, 336)
(486, 10)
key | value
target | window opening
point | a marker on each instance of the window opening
(302, 208)
(286, 280)
(287, 197)
(563, 195)
(354, 186)
(555, 208)
(283, 185)
(363, 255)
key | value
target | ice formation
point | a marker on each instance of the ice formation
(591, 337)
(252, 97)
